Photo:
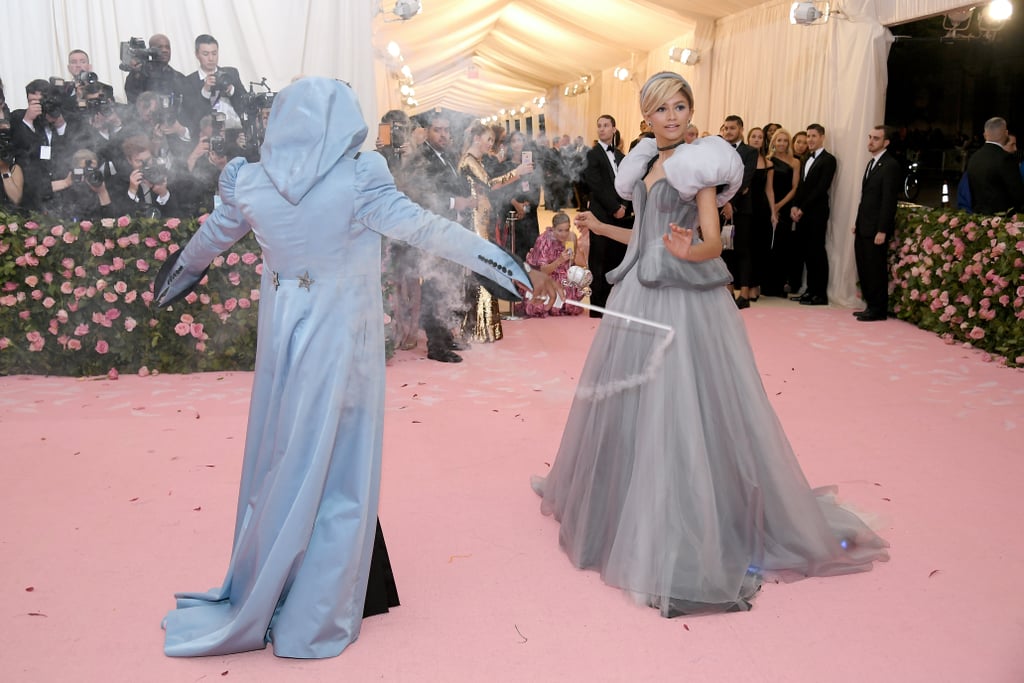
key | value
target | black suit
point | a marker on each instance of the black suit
(156, 77)
(741, 259)
(433, 182)
(605, 253)
(196, 106)
(879, 194)
(994, 180)
(812, 198)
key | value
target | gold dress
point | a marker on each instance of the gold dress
(483, 320)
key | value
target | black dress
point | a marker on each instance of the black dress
(761, 226)
(784, 271)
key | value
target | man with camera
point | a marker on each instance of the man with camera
(213, 88)
(43, 143)
(84, 82)
(150, 69)
(83, 194)
(145, 187)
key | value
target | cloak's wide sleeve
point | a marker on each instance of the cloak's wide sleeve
(222, 228)
(705, 162)
(385, 210)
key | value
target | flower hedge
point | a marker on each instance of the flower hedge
(77, 299)
(961, 276)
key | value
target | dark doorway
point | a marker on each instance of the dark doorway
(946, 78)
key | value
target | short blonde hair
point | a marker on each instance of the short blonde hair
(662, 86)
(771, 145)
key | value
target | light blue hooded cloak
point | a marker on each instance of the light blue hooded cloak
(307, 504)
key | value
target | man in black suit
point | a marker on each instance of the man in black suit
(740, 212)
(992, 174)
(876, 223)
(432, 181)
(155, 75)
(607, 206)
(212, 88)
(810, 212)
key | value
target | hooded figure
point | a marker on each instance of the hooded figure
(307, 505)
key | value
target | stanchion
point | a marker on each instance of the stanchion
(510, 225)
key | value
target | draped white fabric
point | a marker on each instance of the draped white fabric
(262, 38)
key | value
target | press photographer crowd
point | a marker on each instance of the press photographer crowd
(74, 153)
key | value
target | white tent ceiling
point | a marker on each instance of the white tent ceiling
(484, 55)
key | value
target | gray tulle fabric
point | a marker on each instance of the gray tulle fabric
(684, 490)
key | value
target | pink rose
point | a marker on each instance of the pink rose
(117, 263)
(62, 316)
(102, 347)
(74, 344)
(31, 281)
(191, 297)
(259, 269)
(31, 260)
(100, 285)
(112, 373)
(73, 306)
(104, 269)
(150, 242)
(143, 371)
(33, 336)
(164, 236)
(130, 324)
(41, 251)
(204, 299)
(124, 222)
(120, 287)
(182, 329)
(79, 271)
(1004, 300)
(234, 278)
(173, 223)
(200, 346)
(196, 330)
(24, 315)
(232, 259)
(976, 333)
(53, 327)
(48, 302)
(86, 225)
(186, 318)
(107, 222)
(10, 286)
(20, 261)
(216, 308)
(124, 242)
(249, 258)
(37, 295)
(230, 304)
(160, 254)
(130, 296)
(254, 294)
(97, 249)
(134, 237)
(218, 261)
(244, 303)
(80, 292)
(48, 278)
(147, 297)
(81, 330)
(112, 314)
(49, 241)
(172, 248)
(70, 238)
(142, 265)
(31, 241)
(4, 342)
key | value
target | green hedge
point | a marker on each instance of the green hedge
(961, 276)
(76, 299)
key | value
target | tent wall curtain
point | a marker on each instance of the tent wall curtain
(261, 37)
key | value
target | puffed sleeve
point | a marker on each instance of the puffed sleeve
(706, 162)
(222, 228)
(634, 167)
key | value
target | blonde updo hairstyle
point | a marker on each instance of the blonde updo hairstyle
(662, 86)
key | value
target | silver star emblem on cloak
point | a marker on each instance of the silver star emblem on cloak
(276, 280)
(305, 281)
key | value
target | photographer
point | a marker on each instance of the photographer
(43, 143)
(145, 187)
(220, 147)
(213, 88)
(12, 180)
(84, 82)
(83, 194)
(150, 69)
(104, 129)
(157, 118)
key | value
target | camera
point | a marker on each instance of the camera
(86, 78)
(6, 144)
(154, 172)
(167, 109)
(223, 81)
(52, 104)
(101, 104)
(134, 54)
(93, 177)
(61, 88)
(218, 143)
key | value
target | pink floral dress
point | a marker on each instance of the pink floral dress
(546, 250)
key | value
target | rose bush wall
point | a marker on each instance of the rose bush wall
(76, 299)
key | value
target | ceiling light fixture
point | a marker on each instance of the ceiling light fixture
(684, 55)
(808, 13)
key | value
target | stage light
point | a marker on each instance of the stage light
(406, 71)
(999, 10)
(621, 73)
(394, 50)
(805, 13)
(684, 55)
(407, 9)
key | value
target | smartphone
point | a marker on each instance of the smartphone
(527, 157)
(384, 133)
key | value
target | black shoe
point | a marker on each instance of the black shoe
(742, 302)
(800, 297)
(458, 345)
(857, 314)
(814, 301)
(444, 356)
(870, 316)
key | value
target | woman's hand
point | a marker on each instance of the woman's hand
(586, 222)
(679, 241)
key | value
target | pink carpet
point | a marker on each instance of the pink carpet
(115, 494)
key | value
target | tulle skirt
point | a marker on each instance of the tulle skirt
(674, 477)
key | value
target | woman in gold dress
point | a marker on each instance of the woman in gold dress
(483, 322)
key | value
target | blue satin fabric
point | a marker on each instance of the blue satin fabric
(307, 503)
